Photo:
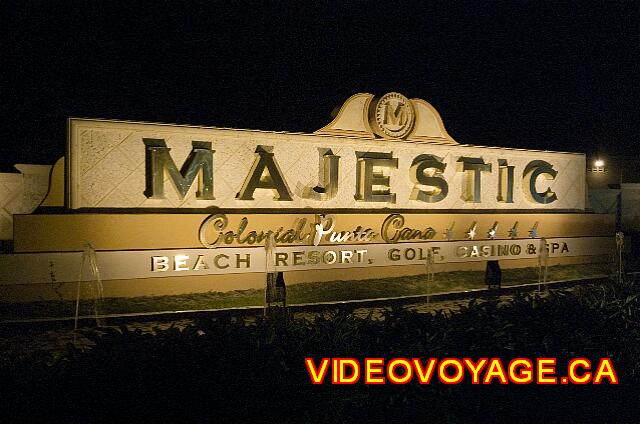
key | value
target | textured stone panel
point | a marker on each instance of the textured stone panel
(109, 156)
(21, 193)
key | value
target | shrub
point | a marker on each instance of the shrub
(231, 370)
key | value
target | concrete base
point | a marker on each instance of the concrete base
(230, 282)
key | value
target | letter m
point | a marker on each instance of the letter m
(199, 163)
(395, 115)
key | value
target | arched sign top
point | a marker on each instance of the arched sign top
(392, 116)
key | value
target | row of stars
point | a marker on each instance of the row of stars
(493, 231)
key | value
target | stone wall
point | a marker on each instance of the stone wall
(606, 201)
(21, 193)
(630, 203)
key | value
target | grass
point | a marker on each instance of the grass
(329, 291)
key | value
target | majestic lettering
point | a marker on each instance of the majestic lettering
(158, 160)
(367, 177)
(427, 170)
(505, 182)
(530, 175)
(265, 174)
(472, 167)
(328, 187)
(372, 176)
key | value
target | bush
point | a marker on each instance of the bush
(228, 370)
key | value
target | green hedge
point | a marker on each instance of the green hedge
(225, 370)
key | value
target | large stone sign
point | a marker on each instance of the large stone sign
(383, 188)
(132, 165)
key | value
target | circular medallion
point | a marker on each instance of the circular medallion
(394, 116)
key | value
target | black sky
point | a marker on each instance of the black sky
(541, 75)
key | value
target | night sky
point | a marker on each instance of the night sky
(540, 75)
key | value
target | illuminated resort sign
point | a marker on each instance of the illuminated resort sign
(127, 265)
(378, 192)
(387, 153)
(217, 231)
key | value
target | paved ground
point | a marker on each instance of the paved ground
(27, 341)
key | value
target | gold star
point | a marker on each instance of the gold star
(471, 234)
(513, 232)
(448, 232)
(492, 232)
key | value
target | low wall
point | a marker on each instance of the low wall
(21, 193)
(163, 286)
(131, 247)
(630, 207)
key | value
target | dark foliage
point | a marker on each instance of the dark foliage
(228, 371)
